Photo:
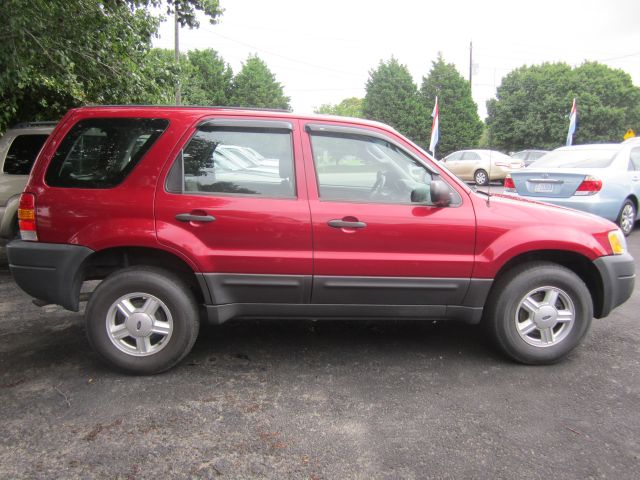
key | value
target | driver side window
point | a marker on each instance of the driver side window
(356, 168)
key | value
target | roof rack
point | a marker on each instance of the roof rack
(46, 123)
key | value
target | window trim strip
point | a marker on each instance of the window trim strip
(245, 123)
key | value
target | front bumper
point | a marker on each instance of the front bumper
(618, 278)
(48, 271)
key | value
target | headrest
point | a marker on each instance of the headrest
(285, 167)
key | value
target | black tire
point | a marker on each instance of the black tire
(481, 178)
(627, 217)
(177, 308)
(15, 229)
(506, 316)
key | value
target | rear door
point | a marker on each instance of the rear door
(471, 161)
(246, 228)
(372, 244)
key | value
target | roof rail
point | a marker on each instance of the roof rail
(258, 109)
(221, 107)
(44, 123)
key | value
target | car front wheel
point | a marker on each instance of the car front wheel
(142, 320)
(538, 312)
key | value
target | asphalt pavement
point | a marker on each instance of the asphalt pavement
(323, 400)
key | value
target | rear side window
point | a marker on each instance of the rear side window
(22, 153)
(101, 152)
(236, 160)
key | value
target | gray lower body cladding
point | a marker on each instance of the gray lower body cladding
(302, 296)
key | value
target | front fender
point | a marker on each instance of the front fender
(495, 253)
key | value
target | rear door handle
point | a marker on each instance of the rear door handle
(345, 224)
(187, 217)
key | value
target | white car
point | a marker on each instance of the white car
(19, 147)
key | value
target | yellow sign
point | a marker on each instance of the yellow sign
(630, 134)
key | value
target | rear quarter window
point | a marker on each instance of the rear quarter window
(22, 153)
(101, 152)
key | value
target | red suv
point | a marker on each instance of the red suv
(187, 213)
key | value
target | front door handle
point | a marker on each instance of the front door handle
(188, 217)
(345, 224)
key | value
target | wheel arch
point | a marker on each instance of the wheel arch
(102, 263)
(577, 263)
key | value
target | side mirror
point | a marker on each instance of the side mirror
(440, 193)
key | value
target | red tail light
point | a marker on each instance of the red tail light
(589, 186)
(27, 217)
(508, 183)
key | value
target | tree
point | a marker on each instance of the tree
(162, 73)
(531, 108)
(460, 125)
(349, 107)
(58, 54)
(207, 80)
(392, 98)
(256, 86)
(186, 9)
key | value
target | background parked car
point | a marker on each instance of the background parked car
(529, 156)
(601, 179)
(481, 166)
(19, 147)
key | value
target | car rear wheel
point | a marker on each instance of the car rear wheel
(627, 217)
(538, 313)
(481, 178)
(142, 320)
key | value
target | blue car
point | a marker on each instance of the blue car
(602, 179)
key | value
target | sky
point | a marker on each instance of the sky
(322, 52)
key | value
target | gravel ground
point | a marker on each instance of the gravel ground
(324, 400)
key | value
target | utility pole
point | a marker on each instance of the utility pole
(470, 65)
(177, 53)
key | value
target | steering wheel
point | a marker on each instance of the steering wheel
(377, 188)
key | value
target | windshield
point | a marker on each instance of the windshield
(580, 158)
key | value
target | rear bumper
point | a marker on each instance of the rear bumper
(48, 271)
(498, 173)
(618, 279)
(596, 204)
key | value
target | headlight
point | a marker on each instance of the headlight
(617, 241)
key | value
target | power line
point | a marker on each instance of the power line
(618, 58)
(294, 60)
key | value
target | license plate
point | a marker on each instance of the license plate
(543, 187)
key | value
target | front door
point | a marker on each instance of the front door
(373, 244)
